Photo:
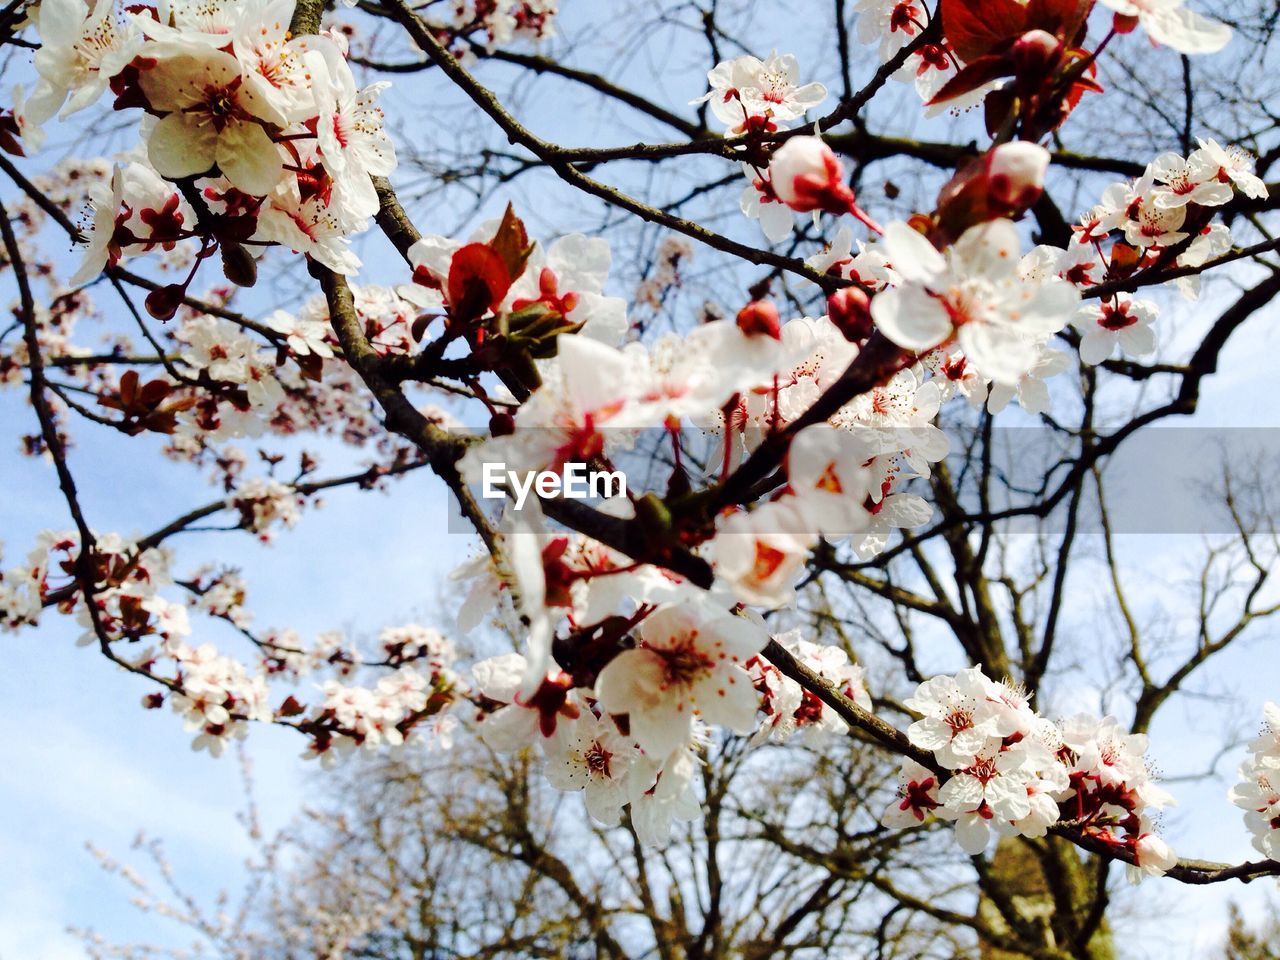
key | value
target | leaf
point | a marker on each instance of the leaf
(511, 243)
(154, 393)
(976, 27)
(310, 366)
(1063, 18)
(238, 264)
(129, 388)
(982, 70)
(478, 281)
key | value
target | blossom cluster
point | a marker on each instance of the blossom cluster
(22, 590)
(787, 708)
(1258, 792)
(215, 695)
(250, 135)
(933, 65)
(1169, 208)
(1003, 769)
(502, 21)
(633, 735)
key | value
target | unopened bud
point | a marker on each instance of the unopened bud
(850, 311)
(1034, 51)
(760, 317)
(807, 176)
(1015, 173)
(163, 303)
(1125, 23)
(502, 425)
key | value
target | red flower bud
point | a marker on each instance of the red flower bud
(1125, 23)
(502, 424)
(1015, 173)
(760, 317)
(850, 310)
(164, 302)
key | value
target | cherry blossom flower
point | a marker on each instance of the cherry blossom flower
(760, 553)
(1032, 390)
(133, 213)
(524, 720)
(759, 202)
(1212, 242)
(312, 226)
(959, 722)
(974, 293)
(1235, 165)
(212, 118)
(686, 662)
(661, 792)
(891, 23)
(1258, 792)
(82, 46)
(828, 476)
(1190, 180)
(1150, 223)
(993, 786)
(1124, 321)
(748, 93)
(304, 336)
(279, 69)
(1172, 24)
(354, 145)
(917, 797)
(591, 755)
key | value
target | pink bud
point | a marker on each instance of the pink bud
(1034, 51)
(1125, 23)
(807, 176)
(1015, 173)
(760, 318)
(850, 311)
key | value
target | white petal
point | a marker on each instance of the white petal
(1186, 31)
(911, 255)
(911, 318)
(181, 147)
(249, 159)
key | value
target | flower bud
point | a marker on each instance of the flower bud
(1034, 52)
(1015, 173)
(1125, 23)
(502, 425)
(760, 317)
(850, 311)
(807, 176)
(163, 302)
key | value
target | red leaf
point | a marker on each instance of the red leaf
(478, 280)
(511, 243)
(976, 27)
(982, 70)
(154, 393)
(1063, 18)
(129, 387)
